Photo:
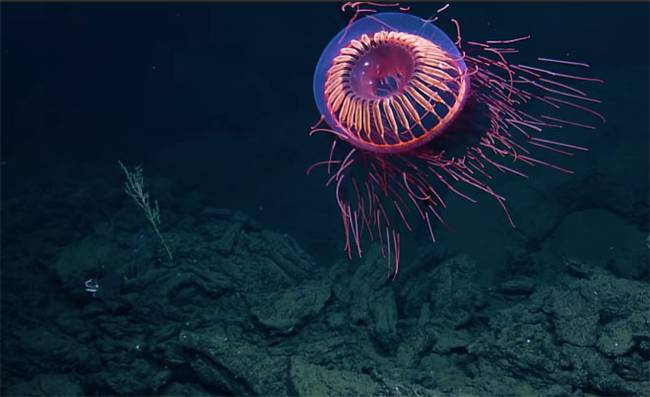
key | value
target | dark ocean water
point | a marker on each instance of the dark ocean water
(215, 102)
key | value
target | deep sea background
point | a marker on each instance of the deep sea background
(215, 101)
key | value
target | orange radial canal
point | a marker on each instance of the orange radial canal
(391, 92)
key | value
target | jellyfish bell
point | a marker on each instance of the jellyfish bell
(392, 87)
(397, 82)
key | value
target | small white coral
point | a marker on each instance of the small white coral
(134, 187)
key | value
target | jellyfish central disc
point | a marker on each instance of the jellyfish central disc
(381, 72)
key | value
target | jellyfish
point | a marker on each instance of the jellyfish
(415, 116)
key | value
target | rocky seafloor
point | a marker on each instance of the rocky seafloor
(243, 310)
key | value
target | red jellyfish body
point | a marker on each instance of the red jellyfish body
(391, 85)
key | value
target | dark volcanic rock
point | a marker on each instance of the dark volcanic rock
(223, 360)
(517, 286)
(135, 378)
(46, 385)
(245, 311)
(312, 380)
(574, 316)
(566, 333)
(369, 296)
(282, 312)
